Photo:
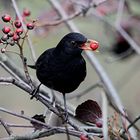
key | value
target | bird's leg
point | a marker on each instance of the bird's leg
(65, 108)
(35, 91)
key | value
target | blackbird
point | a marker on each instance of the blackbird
(63, 68)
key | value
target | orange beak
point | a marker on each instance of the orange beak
(91, 45)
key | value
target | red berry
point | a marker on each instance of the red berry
(4, 38)
(94, 45)
(10, 34)
(26, 12)
(0, 41)
(6, 30)
(17, 24)
(83, 137)
(19, 31)
(30, 26)
(3, 50)
(99, 123)
(6, 18)
(16, 37)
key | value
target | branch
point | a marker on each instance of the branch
(57, 22)
(7, 128)
(23, 117)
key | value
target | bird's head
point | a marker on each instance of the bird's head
(75, 43)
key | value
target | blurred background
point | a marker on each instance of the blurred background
(116, 55)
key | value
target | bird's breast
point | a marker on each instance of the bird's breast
(61, 75)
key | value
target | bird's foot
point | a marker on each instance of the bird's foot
(65, 117)
(35, 92)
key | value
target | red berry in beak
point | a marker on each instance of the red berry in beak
(94, 45)
(6, 18)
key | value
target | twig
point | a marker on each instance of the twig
(120, 12)
(18, 125)
(44, 133)
(19, 84)
(7, 128)
(105, 112)
(132, 123)
(23, 117)
(57, 22)
(24, 62)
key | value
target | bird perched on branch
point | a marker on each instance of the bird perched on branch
(63, 68)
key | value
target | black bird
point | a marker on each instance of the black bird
(63, 68)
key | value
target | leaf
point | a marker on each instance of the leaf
(89, 111)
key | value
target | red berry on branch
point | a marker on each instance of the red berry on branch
(6, 18)
(6, 30)
(30, 26)
(83, 137)
(26, 12)
(19, 31)
(16, 37)
(4, 38)
(17, 24)
(99, 123)
(0, 41)
(10, 34)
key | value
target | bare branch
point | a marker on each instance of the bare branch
(132, 123)
(23, 117)
(7, 128)
(105, 115)
(120, 12)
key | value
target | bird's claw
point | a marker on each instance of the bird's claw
(65, 117)
(35, 93)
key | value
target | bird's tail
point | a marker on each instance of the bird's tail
(32, 66)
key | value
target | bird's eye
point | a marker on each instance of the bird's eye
(73, 43)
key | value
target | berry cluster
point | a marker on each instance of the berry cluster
(13, 32)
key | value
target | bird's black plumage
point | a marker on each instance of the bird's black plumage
(63, 68)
